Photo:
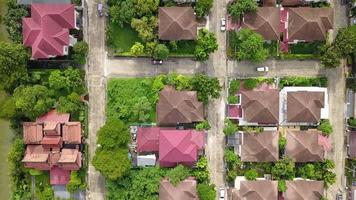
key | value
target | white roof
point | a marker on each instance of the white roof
(146, 160)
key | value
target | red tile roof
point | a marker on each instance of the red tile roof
(32, 133)
(70, 159)
(59, 176)
(47, 31)
(352, 144)
(179, 146)
(147, 139)
(53, 116)
(72, 133)
(37, 157)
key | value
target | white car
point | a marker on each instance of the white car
(221, 193)
(262, 69)
(223, 24)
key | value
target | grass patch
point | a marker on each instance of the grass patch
(303, 81)
(272, 48)
(306, 48)
(121, 39)
(184, 48)
(4, 37)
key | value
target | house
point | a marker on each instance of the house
(254, 190)
(304, 189)
(177, 23)
(172, 146)
(72, 133)
(30, 2)
(70, 159)
(47, 30)
(259, 147)
(286, 3)
(352, 145)
(304, 146)
(259, 107)
(178, 107)
(303, 105)
(186, 190)
(264, 21)
(33, 133)
(53, 116)
(307, 24)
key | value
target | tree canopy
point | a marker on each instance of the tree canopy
(284, 169)
(240, 7)
(113, 135)
(203, 7)
(80, 51)
(206, 44)
(160, 52)
(206, 192)
(178, 174)
(122, 12)
(206, 87)
(137, 49)
(66, 82)
(247, 45)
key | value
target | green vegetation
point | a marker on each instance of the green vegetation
(284, 169)
(351, 122)
(251, 174)
(251, 83)
(182, 48)
(233, 164)
(318, 171)
(303, 81)
(282, 142)
(201, 172)
(206, 87)
(234, 86)
(206, 44)
(121, 39)
(233, 99)
(13, 20)
(204, 125)
(239, 7)
(203, 7)
(137, 49)
(160, 52)
(4, 37)
(80, 52)
(206, 191)
(178, 174)
(325, 127)
(273, 48)
(43, 189)
(230, 127)
(76, 181)
(306, 48)
(247, 45)
(282, 186)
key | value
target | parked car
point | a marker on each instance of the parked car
(221, 193)
(223, 24)
(157, 62)
(100, 9)
(262, 69)
(339, 196)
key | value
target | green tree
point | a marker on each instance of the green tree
(160, 52)
(251, 83)
(282, 142)
(201, 171)
(70, 104)
(284, 169)
(80, 52)
(204, 125)
(146, 27)
(13, 19)
(251, 175)
(325, 127)
(345, 41)
(308, 171)
(206, 87)
(206, 192)
(206, 44)
(7, 108)
(230, 127)
(137, 49)
(146, 7)
(13, 65)
(282, 186)
(248, 45)
(66, 82)
(329, 178)
(141, 109)
(122, 12)
(232, 160)
(178, 174)
(32, 101)
(113, 135)
(75, 183)
(113, 164)
(240, 7)
(203, 7)
(330, 57)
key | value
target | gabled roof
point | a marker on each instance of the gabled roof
(260, 147)
(304, 106)
(70, 159)
(303, 146)
(184, 190)
(309, 24)
(352, 144)
(260, 106)
(264, 21)
(179, 146)
(257, 190)
(178, 107)
(177, 23)
(72, 133)
(293, 2)
(303, 189)
(32, 133)
(147, 139)
(59, 176)
(53, 116)
(47, 31)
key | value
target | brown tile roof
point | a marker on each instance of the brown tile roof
(257, 190)
(261, 147)
(304, 106)
(184, 190)
(352, 144)
(293, 2)
(70, 159)
(260, 106)
(178, 107)
(303, 146)
(264, 21)
(72, 133)
(269, 3)
(32, 133)
(302, 189)
(177, 23)
(309, 24)
(52, 128)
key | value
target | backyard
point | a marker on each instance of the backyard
(121, 39)
(3, 33)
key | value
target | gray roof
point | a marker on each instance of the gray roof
(146, 160)
(29, 2)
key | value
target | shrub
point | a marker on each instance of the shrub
(282, 142)
(113, 135)
(231, 175)
(232, 99)
(251, 83)
(74, 183)
(12, 20)
(80, 50)
(325, 127)
(137, 49)
(234, 87)
(178, 174)
(204, 125)
(239, 7)
(206, 87)
(201, 171)
(203, 7)
(251, 175)
(232, 160)
(206, 192)
(206, 44)
(282, 186)
(284, 169)
(352, 122)
(230, 128)
(160, 52)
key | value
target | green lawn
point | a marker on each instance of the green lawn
(272, 48)
(3, 32)
(306, 47)
(184, 48)
(121, 39)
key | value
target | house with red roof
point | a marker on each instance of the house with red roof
(46, 32)
(172, 146)
(53, 144)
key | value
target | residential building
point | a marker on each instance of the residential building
(30, 2)
(286, 3)
(305, 146)
(178, 107)
(264, 21)
(304, 189)
(177, 23)
(47, 30)
(186, 190)
(352, 144)
(254, 190)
